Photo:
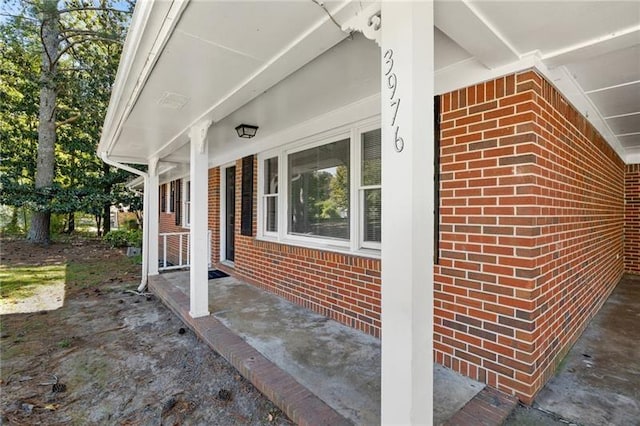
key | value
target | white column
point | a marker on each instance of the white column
(407, 212)
(199, 168)
(153, 216)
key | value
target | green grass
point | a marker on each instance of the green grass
(19, 282)
(96, 272)
(64, 344)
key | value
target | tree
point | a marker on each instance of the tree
(19, 72)
(79, 44)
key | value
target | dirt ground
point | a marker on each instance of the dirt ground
(109, 356)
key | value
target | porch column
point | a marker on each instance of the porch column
(199, 289)
(407, 212)
(152, 215)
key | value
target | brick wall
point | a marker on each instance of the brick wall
(214, 213)
(531, 242)
(531, 231)
(342, 287)
(632, 219)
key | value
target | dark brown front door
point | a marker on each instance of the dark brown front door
(230, 212)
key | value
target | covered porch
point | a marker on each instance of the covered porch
(466, 269)
(316, 370)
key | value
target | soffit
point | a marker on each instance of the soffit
(222, 55)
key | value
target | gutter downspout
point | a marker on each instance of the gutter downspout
(145, 222)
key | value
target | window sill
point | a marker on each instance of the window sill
(363, 252)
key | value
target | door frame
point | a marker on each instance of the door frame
(223, 212)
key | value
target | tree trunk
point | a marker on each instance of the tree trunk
(39, 232)
(99, 224)
(106, 219)
(14, 219)
(71, 223)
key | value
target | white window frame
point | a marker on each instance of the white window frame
(262, 199)
(186, 204)
(355, 243)
(360, 189)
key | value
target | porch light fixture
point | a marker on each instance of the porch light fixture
(246, 131)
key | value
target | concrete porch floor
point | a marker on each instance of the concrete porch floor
(317, 370)
(598, 382)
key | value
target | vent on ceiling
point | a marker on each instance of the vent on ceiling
(172, 100)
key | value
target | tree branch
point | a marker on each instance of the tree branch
(11, 15)
(69, 120)
(74, 43)
(44, 46)
(82, 9)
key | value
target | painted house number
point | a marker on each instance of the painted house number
(394, 102)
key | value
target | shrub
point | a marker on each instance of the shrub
(124, 238)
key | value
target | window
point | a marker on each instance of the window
(319, 191)
(270, 195)
(324, 192)
(172, 196)
(163, 198)
(187, 203)
(371, 188)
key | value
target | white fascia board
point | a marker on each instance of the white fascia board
(129, 81)
(459, 20)
(470, 71)
(632, 157)
(135, 34)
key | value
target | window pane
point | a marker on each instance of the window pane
(271, 210)
(373, 215)
(271, 176)
(319, 191)
(371, 157)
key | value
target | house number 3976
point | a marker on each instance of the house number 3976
(394, 102)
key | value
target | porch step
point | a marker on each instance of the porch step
(295, 400)
(489, 407)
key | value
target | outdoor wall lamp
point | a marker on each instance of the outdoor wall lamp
(246, 131)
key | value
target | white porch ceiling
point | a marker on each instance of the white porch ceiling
(189, 60)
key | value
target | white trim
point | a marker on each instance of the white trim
(617, 40)
(186, 204)
(359, 189)
(261, 232)
(364, 109)
(562, 79)
(306, 46)
(354, 246)
(462, 75)
(170, 20)
(465, 25)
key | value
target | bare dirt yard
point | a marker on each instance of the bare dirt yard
(78, 347)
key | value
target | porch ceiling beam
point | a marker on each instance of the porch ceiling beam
(466, 26)
(316, 40)
(591, 48)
